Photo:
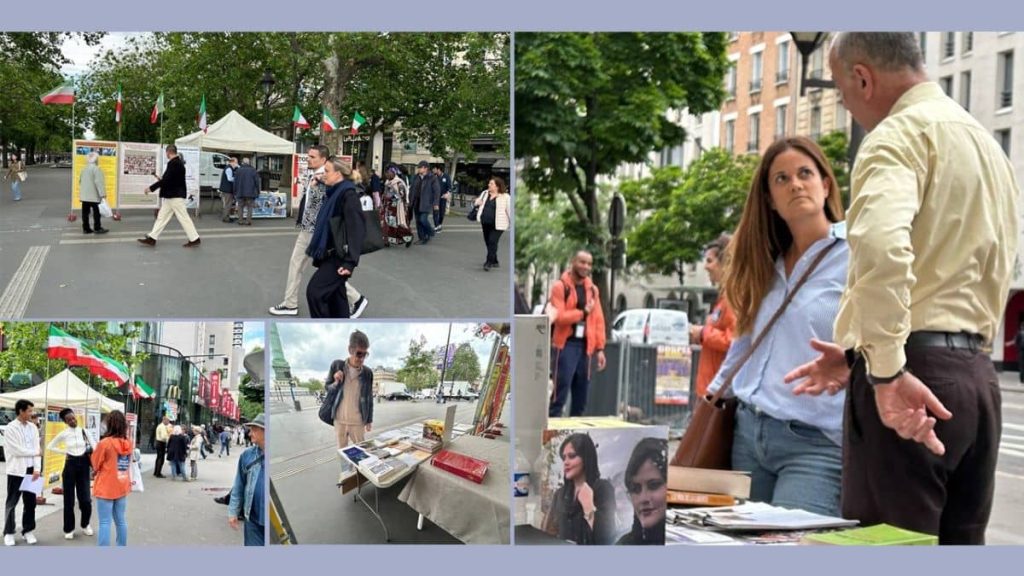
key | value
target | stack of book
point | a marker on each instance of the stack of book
(461, 465)
(433, 429)
(384, 470)
(691, 498)
(713, 482)
(427, 444)
(878, 535)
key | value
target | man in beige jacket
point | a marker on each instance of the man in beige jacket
(91, 191)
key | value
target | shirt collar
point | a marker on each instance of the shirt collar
(835, 230)
(916, 95)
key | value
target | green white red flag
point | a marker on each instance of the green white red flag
(202, 114)
(357, 121)
(158, 109)
(63, 94)
(299, 120)
(328, 123)
(118, 105)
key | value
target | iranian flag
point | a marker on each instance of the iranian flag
(202, 114)
(63, 94)
(140, 389)
(328, 123)
(299, 120)
(158, 109)
(357, 121)
(118, 105)
(62, 345)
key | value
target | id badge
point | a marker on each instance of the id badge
(580, 328)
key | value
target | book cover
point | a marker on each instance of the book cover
(689, 498)
(433, 429)
(461, 465)
(878, 535)
(735, 484)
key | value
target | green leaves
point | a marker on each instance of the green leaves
(418, 370)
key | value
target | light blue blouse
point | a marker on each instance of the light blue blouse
(811, 314)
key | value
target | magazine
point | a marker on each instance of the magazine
(758, 516)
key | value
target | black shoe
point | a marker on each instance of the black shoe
(487, 267)
(147, 241)
(192, 243)
(86, 231)
(102, 230)
(408, 243)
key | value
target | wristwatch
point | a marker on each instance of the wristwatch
(887, 380)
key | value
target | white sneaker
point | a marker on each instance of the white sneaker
(30, 537)
(282, 310)
(359, 307)
(69, 535)
(8, 539)
(88, 531)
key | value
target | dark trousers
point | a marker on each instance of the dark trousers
(424, 229)
(161, 452)
(28, 505)
(325, 293)
(94, 208)
(1020, 363)
(491, 237)
(439, 215)
(572, 373)
(900, 482)
(75, 479)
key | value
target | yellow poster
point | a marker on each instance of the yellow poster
(53, 463)
(107, 163)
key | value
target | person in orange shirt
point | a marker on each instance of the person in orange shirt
(715, 335)
(578, 334)
(112, 461)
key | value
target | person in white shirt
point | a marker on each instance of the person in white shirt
(76, 447)
(21, 445)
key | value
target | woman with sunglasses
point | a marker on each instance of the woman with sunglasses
(646, 479)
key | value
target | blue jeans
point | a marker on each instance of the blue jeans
(572, 373)
(424, 226)
(253, 534)
(16, 188)
(225, 447)
(793, 465)
(178, 469)
(112, 510)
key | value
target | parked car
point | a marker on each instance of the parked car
(652, 326)
(399, 396)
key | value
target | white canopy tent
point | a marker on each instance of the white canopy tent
(65, 390)
(234, 133)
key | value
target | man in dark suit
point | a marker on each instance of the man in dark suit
(426, 193)
(247, 190)
(172, 193)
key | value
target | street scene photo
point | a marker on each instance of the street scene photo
(389, 433)
(132, 433)
(248, 175)
(768, 288)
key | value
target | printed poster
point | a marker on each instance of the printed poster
(190, 155)
(672, 383)
(271, 205)
(53, 462)
(139, 166)
(107, 163)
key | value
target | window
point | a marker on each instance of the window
(965, 90)
(730, 135)
(1004, 92)
(817, 64)
(946, 83)
(815, 122)
(780, 122)
(782, 65)
(967, 42)
(756, 71)
(730, 81)
(754, 134)
(948, 45)
(1003, 137)
(213, 339)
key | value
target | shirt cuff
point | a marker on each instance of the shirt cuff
(886, 360)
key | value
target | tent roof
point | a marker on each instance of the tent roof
(65, 390)
(234, 133)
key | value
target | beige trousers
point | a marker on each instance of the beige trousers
(173, 207)
(299, 262)
(349, 433)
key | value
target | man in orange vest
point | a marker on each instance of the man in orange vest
(578, 334)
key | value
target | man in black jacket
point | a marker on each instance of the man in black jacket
(426, 193)
(353, 406)
(227, 188)
(173, 194)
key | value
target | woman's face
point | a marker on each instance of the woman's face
(796, 185)
(331, 176)
(572, 463)
(647, 493)
(71, 420)
(492, 187)
(713, 266)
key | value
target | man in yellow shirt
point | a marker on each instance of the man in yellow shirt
(163, 433)
(932, 228)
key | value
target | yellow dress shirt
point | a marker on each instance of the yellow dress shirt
(932, 228)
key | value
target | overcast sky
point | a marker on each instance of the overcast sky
(252, 335)
(81, 55)
(311, 347)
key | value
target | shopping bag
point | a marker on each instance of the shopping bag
(136, 477)
(22, 176)
(105, 210)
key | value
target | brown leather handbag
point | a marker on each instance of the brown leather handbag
(707, 442)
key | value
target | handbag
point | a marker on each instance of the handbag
(22, 176)
(707, 442)
(136, 476)
(474, 214)
(105, 210)
(374, 239)
(88, 446)
(326, 412)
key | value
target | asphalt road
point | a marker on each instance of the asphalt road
(49, 269)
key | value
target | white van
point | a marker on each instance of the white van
(652, 326)
(211, 166)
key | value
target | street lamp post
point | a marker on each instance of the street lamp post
(268, 84)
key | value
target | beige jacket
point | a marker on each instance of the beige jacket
(92, 187)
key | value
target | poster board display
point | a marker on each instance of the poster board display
(271, 205)
(107, 163)
(53, 462)
(672, 382)
(133, 425)
(190, 155)
(139, 164)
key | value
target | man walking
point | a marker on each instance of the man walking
(227, 188)
(92, 190)
(246, 501)
(934, 202)
(173, 193)
(163, 434)
(577, 335)
(247, 190)
(445, 187)
(225, 442)
(425, 196)
(22, 450)
(353, 408)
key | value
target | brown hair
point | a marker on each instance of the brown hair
(763, 235)
(117, 425)
(502, 189)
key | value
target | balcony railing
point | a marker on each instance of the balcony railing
(755, 85)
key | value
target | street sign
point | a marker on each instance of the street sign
(617, 215)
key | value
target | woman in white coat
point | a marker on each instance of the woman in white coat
(494, 211)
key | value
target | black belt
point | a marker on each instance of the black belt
(951, 340)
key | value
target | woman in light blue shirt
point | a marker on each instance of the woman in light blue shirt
(792, 445)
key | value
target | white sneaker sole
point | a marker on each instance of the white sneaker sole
(280, 312)
(360, 309)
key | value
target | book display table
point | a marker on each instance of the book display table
(473, 513)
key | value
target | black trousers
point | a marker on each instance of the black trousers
(491, 237)
(93, 207)
(28, 505)
(900, 482)
(75, 479)
(325, 293)
(161, 453)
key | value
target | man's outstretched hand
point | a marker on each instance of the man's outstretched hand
(904, 404)
(826, 373)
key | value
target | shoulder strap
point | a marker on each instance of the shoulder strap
(778, 313)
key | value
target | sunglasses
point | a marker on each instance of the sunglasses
(362, 353)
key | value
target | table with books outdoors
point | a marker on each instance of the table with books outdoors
(475, 513)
